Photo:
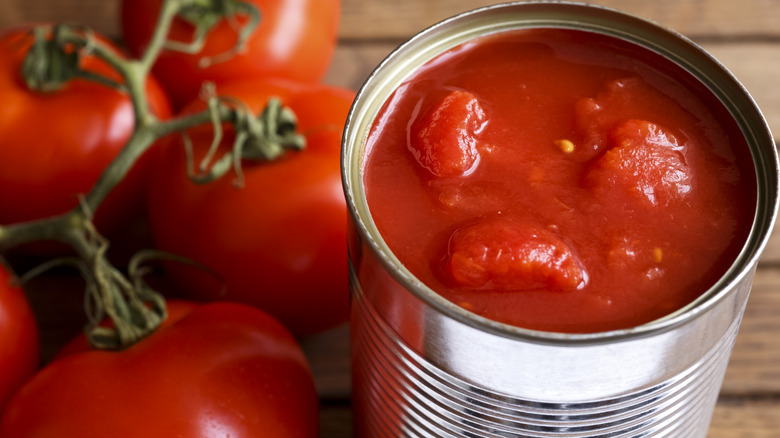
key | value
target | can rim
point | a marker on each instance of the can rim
(752, 123)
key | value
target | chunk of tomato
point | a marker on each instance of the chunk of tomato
(444, 139)
(507, 254)
(645, 162)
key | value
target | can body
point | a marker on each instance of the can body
(423, 367)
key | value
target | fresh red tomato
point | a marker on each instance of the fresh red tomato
(19, 347)
(278, 243)
(222, 369)
(295, 39)
(56, 144)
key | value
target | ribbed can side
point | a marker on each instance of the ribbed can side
(399, 393)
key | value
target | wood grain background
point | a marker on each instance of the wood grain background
(743, 35)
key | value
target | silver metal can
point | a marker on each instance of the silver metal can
(424, 367)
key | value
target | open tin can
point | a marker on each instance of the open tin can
(424, 367)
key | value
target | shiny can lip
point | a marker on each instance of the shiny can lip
(459, 374)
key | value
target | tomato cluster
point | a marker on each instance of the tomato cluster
(269, 261)
(43, 171)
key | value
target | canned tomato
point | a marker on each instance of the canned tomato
(556, 213)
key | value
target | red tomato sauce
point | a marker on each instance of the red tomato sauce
(559, 180)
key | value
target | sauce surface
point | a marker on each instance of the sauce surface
(559, 180)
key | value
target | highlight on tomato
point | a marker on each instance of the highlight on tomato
(293, 39)
(19, 348)
(56, 143)
(220, 369)
(278, 242)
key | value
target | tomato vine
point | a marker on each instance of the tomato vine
(134, 309)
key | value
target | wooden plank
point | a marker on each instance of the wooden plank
(353, 63)
(715, 18)
(329, 357)
(754, 367)
(382, 19)
(757, 67)
(740, 418)
(335, 421)
(101, 15)
(771, 254)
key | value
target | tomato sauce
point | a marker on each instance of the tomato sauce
(559, 180)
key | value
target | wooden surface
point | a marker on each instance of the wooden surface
(743, 35)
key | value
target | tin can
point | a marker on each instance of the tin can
(424, 367)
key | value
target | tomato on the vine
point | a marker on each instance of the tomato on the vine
(177, 309)
(279, 242)
(19, 348)
(220, 369)
(295, 39)
(55, 144)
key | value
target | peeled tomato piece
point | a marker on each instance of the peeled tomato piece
(444, 139)
(645, 162)
(505, 254)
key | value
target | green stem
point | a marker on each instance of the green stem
(134, 74)
(184, 122)
(168, 11)
(15, 235)
(143, 138)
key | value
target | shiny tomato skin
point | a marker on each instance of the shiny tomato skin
(56, 144)
(278, 243)
(223, 369)
(295, 39)
(19, 349)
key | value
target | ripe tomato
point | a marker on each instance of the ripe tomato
(222, 369)
(56, 144)
(19, 348)
(295, 39)
(278, 243)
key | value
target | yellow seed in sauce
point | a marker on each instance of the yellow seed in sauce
(658, 254)
(565, 145)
